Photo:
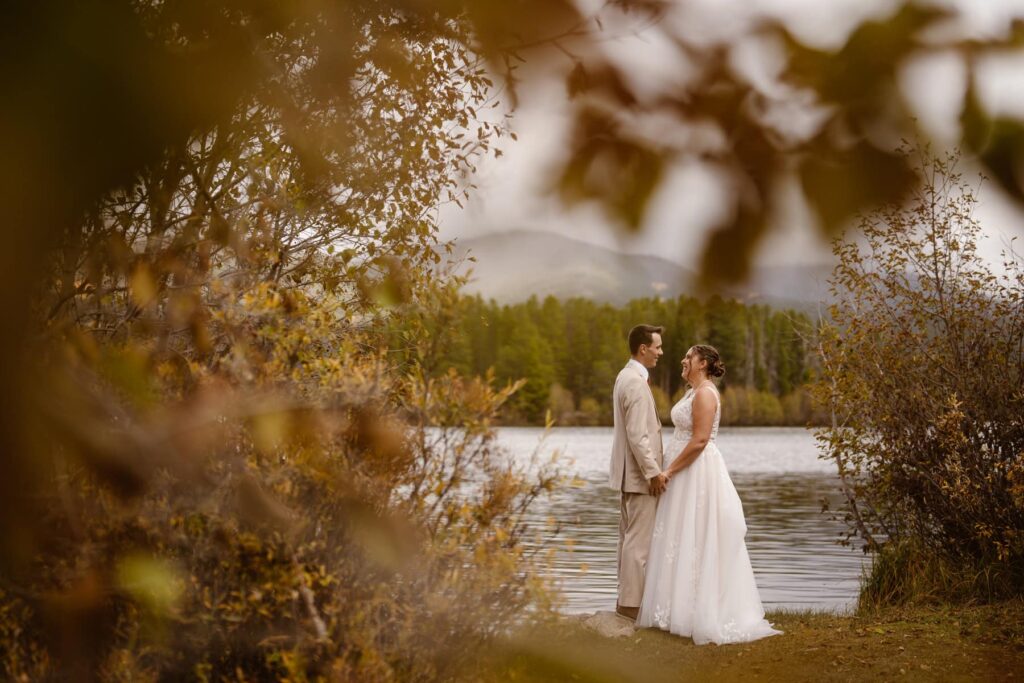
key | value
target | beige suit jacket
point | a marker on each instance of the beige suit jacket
(636, 447)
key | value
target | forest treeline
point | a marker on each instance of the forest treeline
(569, 352)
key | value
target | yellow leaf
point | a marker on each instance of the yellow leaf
(143, 285)
(151, 581)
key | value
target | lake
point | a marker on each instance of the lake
(779, 477)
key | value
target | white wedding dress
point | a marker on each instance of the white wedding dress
(698, 581)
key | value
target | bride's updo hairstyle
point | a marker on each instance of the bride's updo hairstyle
(716, 368)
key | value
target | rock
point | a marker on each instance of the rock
(609, 624)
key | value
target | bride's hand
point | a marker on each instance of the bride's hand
(657, 483)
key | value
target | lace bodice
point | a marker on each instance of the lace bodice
(682, 417)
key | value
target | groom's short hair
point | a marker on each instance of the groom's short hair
(642, 334)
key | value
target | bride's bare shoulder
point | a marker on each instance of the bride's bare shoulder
(711, 389)
(705, 396)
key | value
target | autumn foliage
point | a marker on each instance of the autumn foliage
(212, 467)
(923, 369)
(227, 474)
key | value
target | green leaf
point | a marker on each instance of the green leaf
(999, 144)
(840, 182)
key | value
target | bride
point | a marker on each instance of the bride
(699, 581)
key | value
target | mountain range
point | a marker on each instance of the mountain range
(512, 266)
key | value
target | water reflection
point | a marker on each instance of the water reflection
(781, 482)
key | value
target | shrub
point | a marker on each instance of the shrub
(222, 472)
(922, 369)
(744, 406)
(561, 405)
(591, 413)
(325, 529)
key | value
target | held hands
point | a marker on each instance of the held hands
(658, 483)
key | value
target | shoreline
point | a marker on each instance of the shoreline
(924, 643)
(528, 425)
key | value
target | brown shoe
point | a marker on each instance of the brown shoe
(628, 612)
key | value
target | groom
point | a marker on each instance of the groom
(636, 463)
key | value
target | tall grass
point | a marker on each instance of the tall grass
(905, 573)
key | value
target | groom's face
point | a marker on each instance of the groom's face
(650, 353)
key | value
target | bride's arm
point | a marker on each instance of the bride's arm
(704, 406)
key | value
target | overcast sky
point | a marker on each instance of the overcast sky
(690, 201)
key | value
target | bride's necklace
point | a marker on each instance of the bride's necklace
(706, 381)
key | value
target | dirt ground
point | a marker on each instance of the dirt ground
(983, 643)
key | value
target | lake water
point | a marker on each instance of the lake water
(779, 478)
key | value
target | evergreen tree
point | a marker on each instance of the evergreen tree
(571, 351)
(525, 353)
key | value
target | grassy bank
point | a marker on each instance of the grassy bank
(914, 644)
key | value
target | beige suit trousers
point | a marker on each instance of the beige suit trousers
(636, 525)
